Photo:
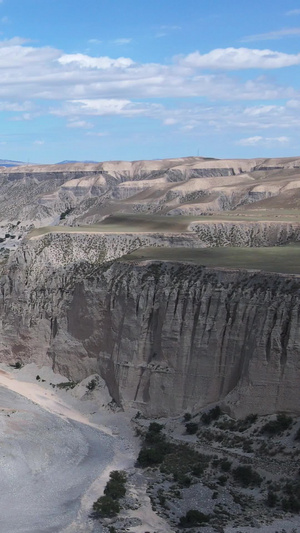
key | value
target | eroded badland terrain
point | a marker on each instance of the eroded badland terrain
(152, 313)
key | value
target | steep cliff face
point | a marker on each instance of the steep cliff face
(166, 337)
(170, 337)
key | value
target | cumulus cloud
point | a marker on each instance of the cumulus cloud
(85, 61)
(270, 36)
(76, 86)
(258, 140)
(107, 106)
(240, 58)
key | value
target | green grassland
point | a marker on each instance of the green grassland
(121, 223)
(284, 259)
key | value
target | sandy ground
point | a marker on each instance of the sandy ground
(56, 453)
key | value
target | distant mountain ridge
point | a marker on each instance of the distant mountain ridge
(10, 163)
(68, 161)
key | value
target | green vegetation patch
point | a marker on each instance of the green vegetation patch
(284, 259)
(278, 426)
(108, 505)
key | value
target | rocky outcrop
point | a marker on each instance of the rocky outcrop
(246, 233)
(166, 337)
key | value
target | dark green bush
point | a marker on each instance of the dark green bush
(225, 465)
(212, 415)
(193, 518)
(245, 476)
(66, 213)
(187, 417)
(153, 456)
(118, 475)
(154, 427)
(183, 460)
(272, 499)
(115, 489)
(275, 427)
(297, 436)
(66, 385)
(191, 428)
(91, 384)
(106, 506)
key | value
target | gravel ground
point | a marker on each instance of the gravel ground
(46, 465)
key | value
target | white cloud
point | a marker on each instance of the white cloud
(170, 121)
(24, 116)
(269, 36)
(15, 106)
(122, 41)
(39, 143)
(166, 29)
(77, 86)
(85, 61)
(107, 106)
(94, 41)
(258, 140)
(97, 134)
(293, 12)
(240, 58)
(80, 124)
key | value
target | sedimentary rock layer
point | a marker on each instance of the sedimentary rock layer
(166, 337)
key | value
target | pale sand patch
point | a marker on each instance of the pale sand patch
(47, 400)
(125, 447)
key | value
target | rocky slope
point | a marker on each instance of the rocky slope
(153, 328)
(85, 193)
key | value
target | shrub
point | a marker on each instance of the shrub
(275, 427)
(107, 507)
(213, 414)
(183, 460)
(187, 417)
(225, 465)
(118, 475)
(193, 518)
(191, 428)
(37, 378)
(154, 434)
(154, 427)
(297, 436)
(154, 455)
(271, 499)
(66, 213)
(91, 385)
(115, 489)
(66, 385)
(245, 476)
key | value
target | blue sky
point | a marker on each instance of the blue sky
(133, 79)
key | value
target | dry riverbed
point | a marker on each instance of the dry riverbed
(57, 449)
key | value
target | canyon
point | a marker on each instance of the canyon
(133, 293)
(72, 298)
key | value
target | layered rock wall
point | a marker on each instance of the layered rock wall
(166, 337)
